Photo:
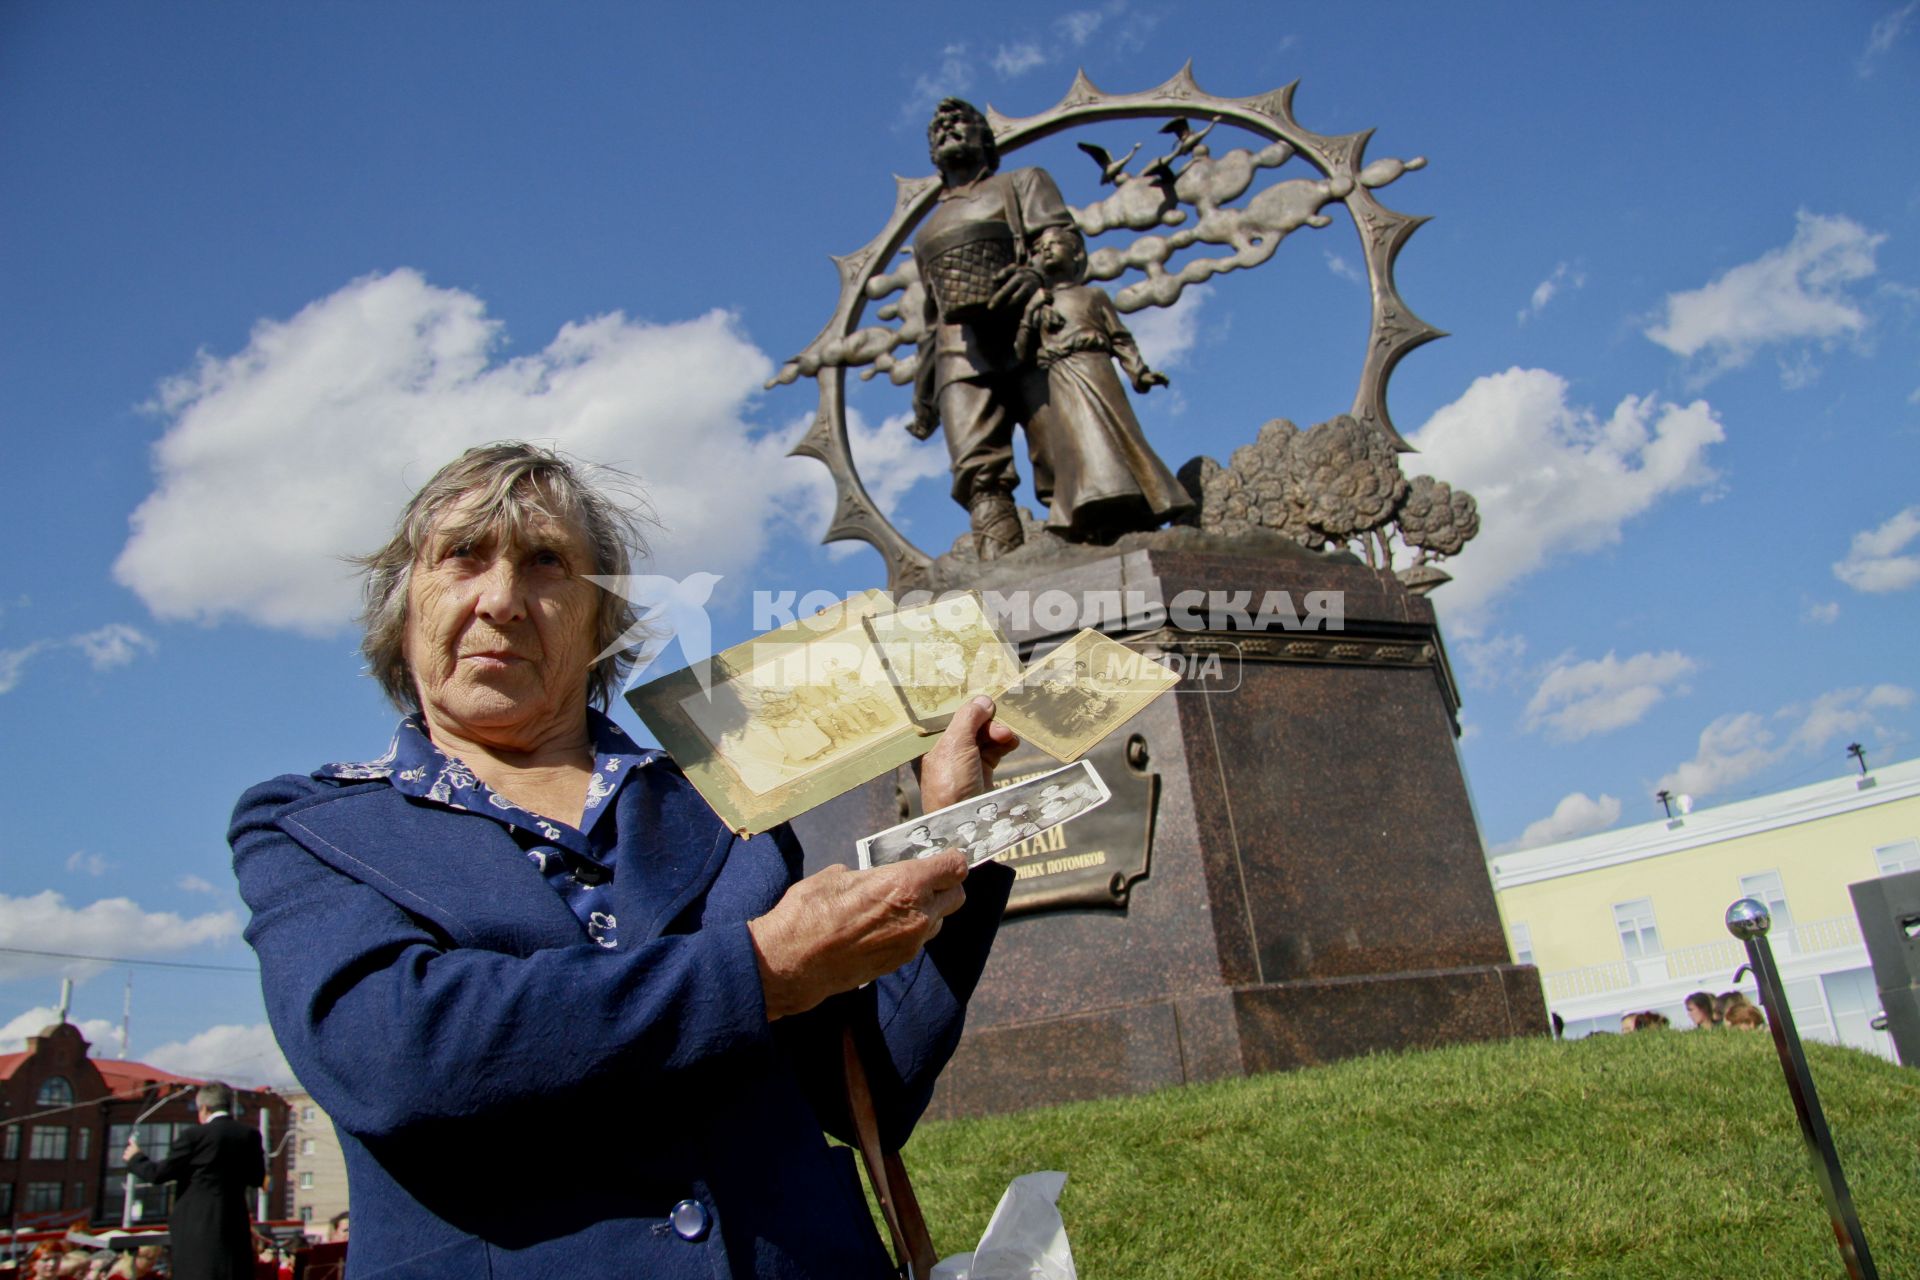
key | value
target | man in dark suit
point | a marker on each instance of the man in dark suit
(215, 1162)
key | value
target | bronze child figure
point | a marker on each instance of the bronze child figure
(1092, 465)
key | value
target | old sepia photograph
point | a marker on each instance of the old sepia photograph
(991, 824)
(1078, 694)
(940, 654)
(785, 721)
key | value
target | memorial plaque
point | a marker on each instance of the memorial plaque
(1094, 860)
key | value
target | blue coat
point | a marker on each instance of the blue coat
(515, 1101)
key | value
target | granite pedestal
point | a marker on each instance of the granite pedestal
(1313, 885)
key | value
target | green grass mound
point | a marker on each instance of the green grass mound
(1669, 1154)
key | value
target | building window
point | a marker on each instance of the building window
(10, 1148)
(306, 1182)
(306, 1213)
(48, 1143)
(1766, 887)
(85, 1144)
(1895, 858)
(306, 1146)
(79, 1195)
(308, 1115)
(156, 1140)
(42, 1197)
(6, 1199)
(54, 1092)
(1638, 934)
(1521, 939)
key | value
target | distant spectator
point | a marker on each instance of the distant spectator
(44, 1262)
(72, 1263)
(1726, 1002)
(1645, 1020)
(337, 1225)
(1700, 1008)
(139, 1264)
(1559, 1027)
(1746, 1017)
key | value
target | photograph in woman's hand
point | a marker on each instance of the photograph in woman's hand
(986, 825)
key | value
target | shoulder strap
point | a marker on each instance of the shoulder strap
(912, 1244)
(1016, 221)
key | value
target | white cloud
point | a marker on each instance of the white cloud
(1793, 294)
(114, 645)
(1552, 478)
(1492, 660)
(1342, 268)
(1167, 334)
(109, 927)
(195, 884)
(1825, 614)
(1874, 562)
(1884, 35)
(302, 448)
(87, 863)
(1736, 747)
(1081, 25)
(1842, 713)
(951, 79)
(1563, 276)
(1576, 815)
(1011, 60)
(13, 664)
(1731, 749)
(241, 1055)
(13, 1036)
(1578, 699)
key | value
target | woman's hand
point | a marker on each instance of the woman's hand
(839, 929)
(961, 764)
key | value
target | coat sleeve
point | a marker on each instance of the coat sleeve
(394, 1029)
(178, 1165)
(907, 1024)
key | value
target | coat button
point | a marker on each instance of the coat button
(689, 1219)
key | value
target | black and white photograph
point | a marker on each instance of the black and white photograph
(990, 824)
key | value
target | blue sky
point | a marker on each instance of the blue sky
(266, 266)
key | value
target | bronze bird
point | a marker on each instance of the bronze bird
(1186, 138)
(1111, 170)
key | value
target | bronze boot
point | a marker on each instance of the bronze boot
(996, 525)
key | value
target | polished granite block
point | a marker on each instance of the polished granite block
(1316, 886)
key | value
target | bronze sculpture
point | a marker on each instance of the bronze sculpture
(975, 257)
(1196, 215)
(1092, 465)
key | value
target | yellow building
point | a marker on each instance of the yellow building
(1635, 919)
(315, 1164)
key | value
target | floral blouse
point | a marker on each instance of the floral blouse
(578, 864)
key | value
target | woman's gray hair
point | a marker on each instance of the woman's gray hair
(512, 483)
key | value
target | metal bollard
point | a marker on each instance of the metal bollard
(1749, 920)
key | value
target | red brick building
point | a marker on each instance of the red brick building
(64, 1121)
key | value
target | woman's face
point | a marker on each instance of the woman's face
(500, 632)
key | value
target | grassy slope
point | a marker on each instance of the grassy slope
(1659, 1155)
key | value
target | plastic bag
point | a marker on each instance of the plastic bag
(1025, 1239)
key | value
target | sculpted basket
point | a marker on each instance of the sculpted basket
(959, 266)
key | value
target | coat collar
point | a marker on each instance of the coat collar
(464, 873)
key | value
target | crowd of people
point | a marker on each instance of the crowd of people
(1705, 1011)
(61, 1260)
(66, 1260)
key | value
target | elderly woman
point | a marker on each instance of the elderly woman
(567, 1023)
